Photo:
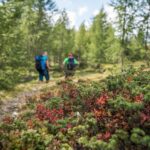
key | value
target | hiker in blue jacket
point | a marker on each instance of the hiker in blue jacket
(42, 66)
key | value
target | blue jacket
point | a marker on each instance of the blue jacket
(42, 60)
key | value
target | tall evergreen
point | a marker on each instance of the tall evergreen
(126, 16)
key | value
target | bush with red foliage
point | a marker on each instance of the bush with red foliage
(30, 124)
(100, 113)
(139, 98)
(52, 116)
(103, 99)
(145, 114)
(69, 89)
(7, 120)
(104, 136)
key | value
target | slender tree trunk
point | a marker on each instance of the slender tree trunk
(123, 41)
(146, 40)
(61, 50)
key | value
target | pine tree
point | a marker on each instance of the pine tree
(126, 16)
(63, 38)
(99, 35)
(81, 44)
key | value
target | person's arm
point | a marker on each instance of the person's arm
(47, 65)
(76, 62)
(65, 61)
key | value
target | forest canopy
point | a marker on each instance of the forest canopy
(27, 27)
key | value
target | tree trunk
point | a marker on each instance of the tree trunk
(146, 40)
(123, 41)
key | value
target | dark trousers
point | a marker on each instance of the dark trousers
(44, 73)
(69, 72)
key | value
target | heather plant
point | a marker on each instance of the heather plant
(108, 115)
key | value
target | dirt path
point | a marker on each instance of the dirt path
(12, 106)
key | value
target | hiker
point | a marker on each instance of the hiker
(42, 66)
(70, 64)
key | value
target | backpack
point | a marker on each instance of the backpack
(38, 65)
(71, 64)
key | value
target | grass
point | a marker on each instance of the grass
(86, 75)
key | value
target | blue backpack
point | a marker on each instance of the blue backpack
(71, 64)
(38, 65)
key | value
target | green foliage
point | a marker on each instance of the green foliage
(99, 37)
(92, 90)
(147, 97)
(95, 144)
(81, 44)
(91, 117)
(23, 28)
(121, 134)
(30, 138)
(114, 83)
(128, 14)
(121, 103)
(28, 27)
(66, 146)
(55, 102)
(138, 137)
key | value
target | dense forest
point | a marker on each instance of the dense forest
(27, 27)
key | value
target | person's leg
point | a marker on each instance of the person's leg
(66, 73)
(40, 76)
(46, 74)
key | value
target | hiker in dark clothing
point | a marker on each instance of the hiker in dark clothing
(42, 66)
(69, 65)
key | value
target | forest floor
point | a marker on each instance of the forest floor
(12, 101)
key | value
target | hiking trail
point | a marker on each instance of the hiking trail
(13, 105)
